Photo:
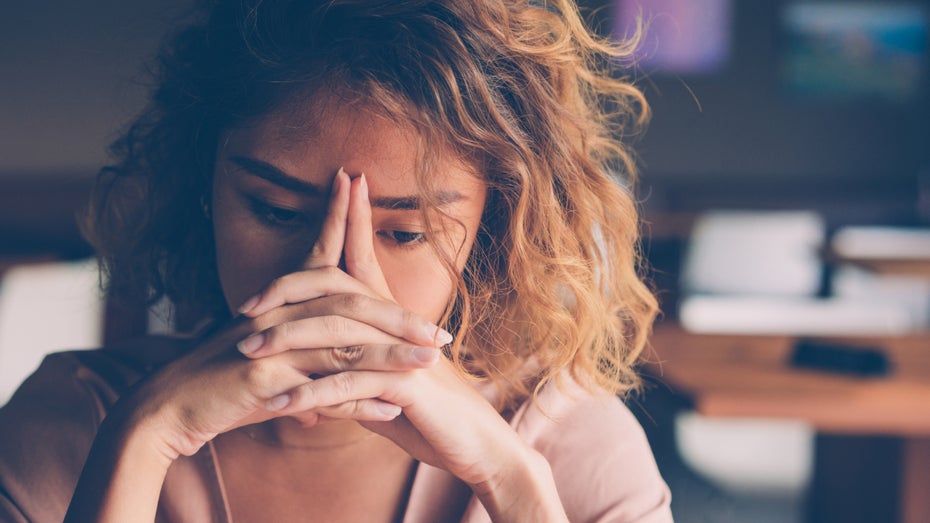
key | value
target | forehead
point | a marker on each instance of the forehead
(313, 141)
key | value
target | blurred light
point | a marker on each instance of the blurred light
(755, 253)
(44, 308)
(683, 36)
(855, 49)
(748, 455)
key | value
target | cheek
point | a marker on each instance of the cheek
(248, 257)
(240, 272)
(421, 285)
(420, 282)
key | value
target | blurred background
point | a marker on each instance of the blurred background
(786, 192)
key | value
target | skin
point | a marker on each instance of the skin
(353, 298)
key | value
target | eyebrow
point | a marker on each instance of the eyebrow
(269, 172)
(412, 203)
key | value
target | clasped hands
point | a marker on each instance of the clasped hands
(326, 343)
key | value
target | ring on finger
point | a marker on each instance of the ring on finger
(345, 357)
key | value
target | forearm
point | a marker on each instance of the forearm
(123, 475)
(523, 492)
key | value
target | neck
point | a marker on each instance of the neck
(288, 433)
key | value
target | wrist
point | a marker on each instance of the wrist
(140, 433)
(151, 426)
(522, 489)
(123, 474)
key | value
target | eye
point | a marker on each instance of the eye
(403, 238)
(272, 215)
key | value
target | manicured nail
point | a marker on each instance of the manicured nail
(251, 344)
(249, 304)
(443, 336)
(389, 410)
(435, 334)
(425, 354)
(278, 402)
(337, 181)
(363, 187)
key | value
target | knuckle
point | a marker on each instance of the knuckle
(352, 302)
(335, 325)
(349, 409)
(259, 375)
(359, 407)
(396, 354)
(303, 395)
(344, 384)
(277, 337)
(408, 316)
(410, 319)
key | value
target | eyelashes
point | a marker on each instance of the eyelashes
(289, 220)
(276, 216)
(405, 239)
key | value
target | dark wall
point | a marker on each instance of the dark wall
(71, 74)
(747, 125)
(738, 138)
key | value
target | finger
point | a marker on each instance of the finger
(362, 410)
(263, 380)
(327, 250)
(301, 286)
(308, 419)
(319, 332)
(395, 357)
(404, 433)
(340, 388)
(387, 316)
(361, 261)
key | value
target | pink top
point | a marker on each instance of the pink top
(601, 461)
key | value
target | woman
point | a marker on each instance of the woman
(398, 220)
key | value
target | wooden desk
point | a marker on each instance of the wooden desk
(750, 376)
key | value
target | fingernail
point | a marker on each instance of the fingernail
(425, 354)
(251, 344)
(444, 337)
(389, 410)
(278, 402)
(249, 304)
(363, 187)
(435, 334)
(337, 181)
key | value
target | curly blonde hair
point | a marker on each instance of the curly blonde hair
(521, 90)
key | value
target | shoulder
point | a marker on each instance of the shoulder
(48, 426)
(602, 463)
